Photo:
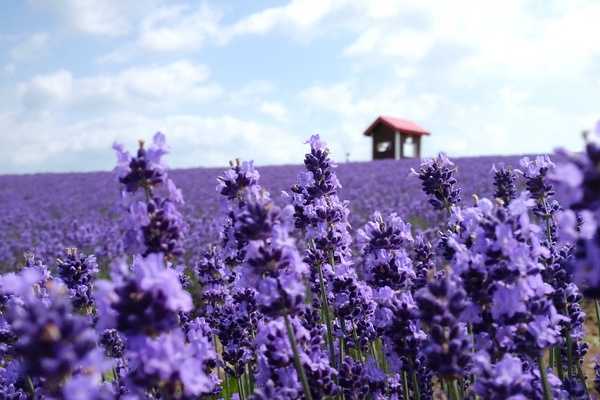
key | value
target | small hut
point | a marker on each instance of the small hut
(395, 138)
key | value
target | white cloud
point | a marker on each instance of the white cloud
(274, 109)
(403, 43)
(297, 16)
(350, 103)
(143, 87)
(106, 18)
(178, 28)
(66, 117)
(560, 45)
(186, 28)
(45, 91)
(405, 72)
(120, 55)
(250, 92)
(511, 97)
(109, 18)
(510, 39)
(321, 96)
(38, 144)
(502, 127)
(560, 38)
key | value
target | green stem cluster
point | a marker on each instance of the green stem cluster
(454, 393)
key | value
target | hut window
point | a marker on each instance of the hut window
(383, 146)
(410, 147)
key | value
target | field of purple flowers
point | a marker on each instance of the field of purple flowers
(435, 279)
(45, 213)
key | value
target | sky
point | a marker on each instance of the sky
(254, 79)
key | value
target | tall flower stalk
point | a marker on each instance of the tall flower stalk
(153, 223)
(273, 266)
(323, 219)
(447, 347)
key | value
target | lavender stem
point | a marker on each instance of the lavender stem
(297, 362)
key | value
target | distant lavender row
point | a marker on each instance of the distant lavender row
(47, 212)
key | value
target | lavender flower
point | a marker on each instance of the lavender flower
(360, 380)
(497, 255)
(388, 269)
(383, 244)
(144, 171)
(504, 380)
(321, 375)
(78, 272)
(87, 387)
(163, 232)
(318, 212)
(554, 386)
(440, 305)
(423, 261)
(323, 220)
(233, 185)
(354, 306)
(230, 304)
(113, 343)
(505, 184)
(52, 343)
(210, 271)
(272, 264)
(13, 383)
(577, 179)
(398, 320)
(171, 364)
(154, 224)
(235, 323)
(235, 180)
(146, 300)
(575, 388)
(424, 378)
(438, 182)
(317, 182)
(276, 375)
(535, 173)
(574, 348)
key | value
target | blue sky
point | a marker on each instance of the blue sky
(253, 79)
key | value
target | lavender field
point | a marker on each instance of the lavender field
(47, 212)
(391, 280)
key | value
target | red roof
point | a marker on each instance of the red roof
(397, 124)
